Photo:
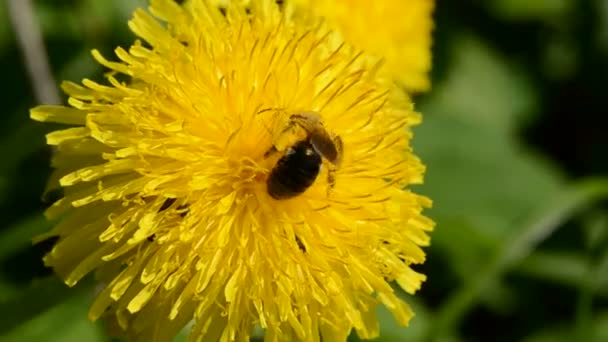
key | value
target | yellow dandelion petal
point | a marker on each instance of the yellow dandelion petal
(165, 179)
(398, 31)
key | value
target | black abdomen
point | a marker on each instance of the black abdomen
(294, 172)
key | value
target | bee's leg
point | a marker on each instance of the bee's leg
(288, 127)
(270, 152)
(331, 179)
(339, 148)
(331, 171)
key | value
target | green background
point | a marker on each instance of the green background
(514, 138)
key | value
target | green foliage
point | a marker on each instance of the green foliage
(511, 223)
(524, 9)
(46, 311)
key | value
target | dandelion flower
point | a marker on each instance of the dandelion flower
(399, 31)
(164, 176)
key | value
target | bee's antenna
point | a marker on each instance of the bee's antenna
(269, 109)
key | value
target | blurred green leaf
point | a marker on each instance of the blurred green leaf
(602, 37)
(6, 33)
(14, 240)
(88, 19)
(561, 57)
(81, 64)
(526, 9)
(42, 314)
(482, 89)
(517, 246)
(561, 331)
(478, 176)
(183, 334)
(391, 331)
(481, 186)
(498, 297)
(28, 136)
(4, 183)
(600, 327)
(55, 22)
(565, 268)
(590, 283)
(595, 228)
(20, 235)
(551, 333)
(481, 181)
(124, 9)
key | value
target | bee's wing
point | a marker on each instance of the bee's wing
(324, 145)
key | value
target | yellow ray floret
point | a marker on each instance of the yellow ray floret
(398, 31)
(164, 178)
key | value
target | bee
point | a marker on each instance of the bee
(298, 167)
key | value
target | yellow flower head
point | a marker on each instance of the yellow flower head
(166, 175)
(398, 31)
